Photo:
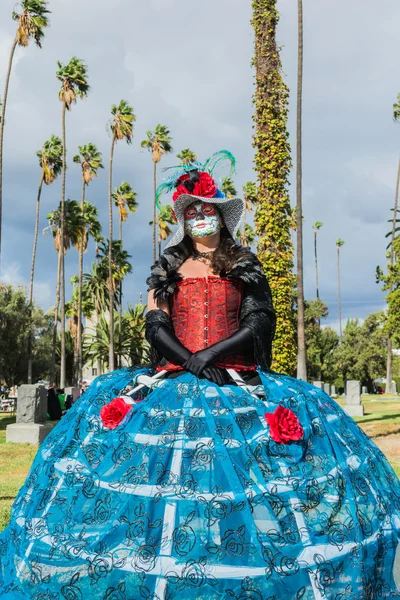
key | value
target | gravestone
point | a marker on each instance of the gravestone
(319, 384)
(333, 391)
(353, 407)
(364, 389)
(327, 388)
(31, 426)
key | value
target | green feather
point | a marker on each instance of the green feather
(211, 163)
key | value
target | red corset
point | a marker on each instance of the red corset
(204, 312)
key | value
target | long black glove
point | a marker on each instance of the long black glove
(161, 336)
(238, 342)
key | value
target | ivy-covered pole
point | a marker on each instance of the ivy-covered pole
(272, 164)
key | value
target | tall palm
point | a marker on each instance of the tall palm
(166, 217)
(158, 142)
(125, 199)
(228, 187)
(70, 230)
(121, 126)
(339, 244)
(72, 309)
(187, 157)
(50, 161)
(31, 17)
(392, 234)
(301, 335)
(119, 268)
(89, 158)
(73, 77)
(136, 320)
(96, 289)
(250, 199)
(316, 227)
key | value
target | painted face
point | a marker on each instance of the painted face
(202, 219)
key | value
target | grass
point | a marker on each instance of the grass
(381, 422)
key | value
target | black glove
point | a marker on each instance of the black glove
(160, 334)
(216, 375)
(240, 341)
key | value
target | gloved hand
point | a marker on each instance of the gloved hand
(240, 341)
(160, 335)
(215, 374)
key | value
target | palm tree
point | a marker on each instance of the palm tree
(392, 235)
(301, 336)
(396, 109)
(339, 244)
(136, 320)
(50, 162)
(70, 230)
(166, 217)
(89, 158)
(121, 126)
(72, 309)
(316, 227)
(120, 266)
(125, 199)
(32, 20)
(187, 157)
(228, 187)
(250, 199)
(158, 142)
(247, 236)
(73, 77)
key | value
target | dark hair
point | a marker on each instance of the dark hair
(224, 257)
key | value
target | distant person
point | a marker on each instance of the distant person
(53, 404)
(84, 387)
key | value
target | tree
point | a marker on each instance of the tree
(316, 227)
(139, 349)
(89, 158)
(320, 342)
(228, 187)
(362, 352)
(121, 127)
(31, 21)
(158, 142)
(73, 77)
(272, 164)
(120, 267)
(187, 157)
(166, 217)
(50, 162)
(396, 109)
(250, 199)
(339, 244)
(74, 310)
(71, 227)
(125, 199)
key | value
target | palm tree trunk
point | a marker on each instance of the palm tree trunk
(244, 242)
(79, 362)
(159, 246)
(389, 361)
(35, 237)
(120, 303)
(57, 303)
(339, 295)
(110, 269)
(316, 262)
(301, 341)
(155, 214)
(2, 124)
(62, 227)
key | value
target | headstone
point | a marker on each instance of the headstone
(353, 407)
(333, 391)
(319, 384)
(31, 426)
(364, 389)
(327, 388)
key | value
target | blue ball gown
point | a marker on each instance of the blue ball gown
(189, 497)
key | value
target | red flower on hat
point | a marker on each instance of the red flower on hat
(205, 187)
(112, 414)
(284, 426)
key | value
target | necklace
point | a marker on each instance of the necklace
(204, 257)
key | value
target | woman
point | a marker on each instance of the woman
(226, 480)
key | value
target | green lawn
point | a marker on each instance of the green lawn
(381, 422)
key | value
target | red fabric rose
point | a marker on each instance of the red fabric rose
(205, 187)
(112, 414)
(284, 426)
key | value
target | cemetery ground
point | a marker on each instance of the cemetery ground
(381, 422)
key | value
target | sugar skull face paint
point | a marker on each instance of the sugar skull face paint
(202, 219)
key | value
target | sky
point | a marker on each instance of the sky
(188, 66)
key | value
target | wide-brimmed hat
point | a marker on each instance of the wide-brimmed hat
(195, 183)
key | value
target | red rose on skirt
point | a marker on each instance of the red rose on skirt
(112, 414)
(284, 426)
